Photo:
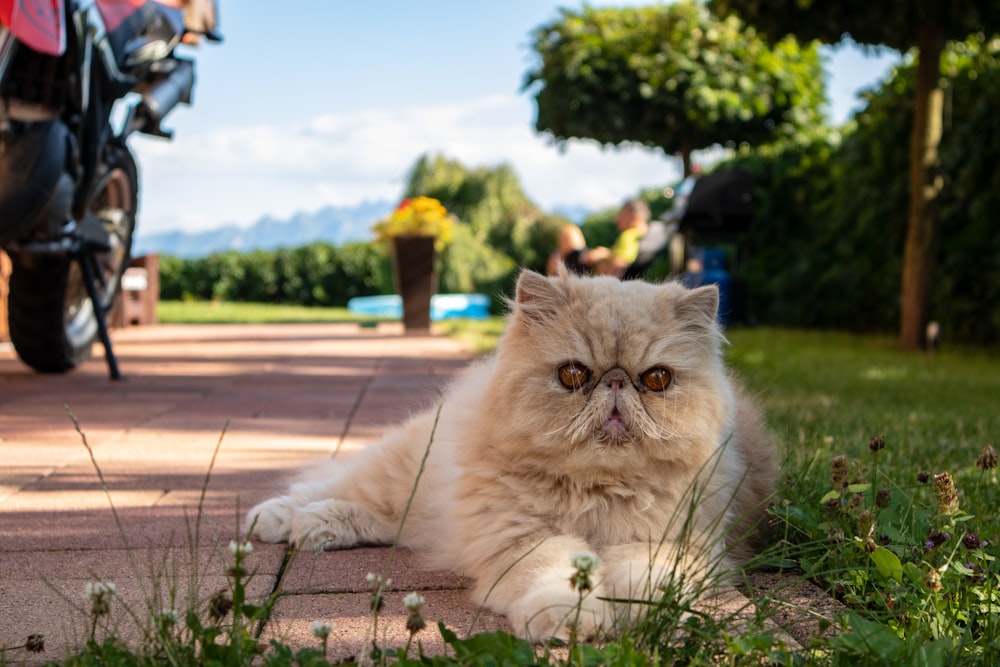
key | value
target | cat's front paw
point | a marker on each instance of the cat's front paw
(637, 585)
(334, 524)
(271, 520)
(553, 609)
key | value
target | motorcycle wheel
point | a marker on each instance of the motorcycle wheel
(50, 317)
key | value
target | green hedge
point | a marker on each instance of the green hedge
(318, 274)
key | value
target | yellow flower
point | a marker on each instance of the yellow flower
(418, 216)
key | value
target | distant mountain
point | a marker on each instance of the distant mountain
(332, 224)
(573, 213)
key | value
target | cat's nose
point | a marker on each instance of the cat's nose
(616, 378)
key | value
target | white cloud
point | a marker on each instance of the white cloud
(240, 173)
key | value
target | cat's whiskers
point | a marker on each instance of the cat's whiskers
(573, 425)
(558, 430)
(658, 428)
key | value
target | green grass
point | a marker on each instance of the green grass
(224, 312)
(478, 335)
(828, 393)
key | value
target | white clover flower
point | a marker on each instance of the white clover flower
(584, 561)
(100, 594)
(320, 629)
(100, 590)
(413, 602)
(414, 621)
(584, 565)
(374, 580)
(240, 548)
(96, 589)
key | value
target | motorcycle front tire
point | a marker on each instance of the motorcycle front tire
(50, 317)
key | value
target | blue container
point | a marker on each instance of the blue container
(390, 305)
(454, 306)
(443, 306)
(709, 268)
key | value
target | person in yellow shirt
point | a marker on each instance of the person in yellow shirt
(633, 223)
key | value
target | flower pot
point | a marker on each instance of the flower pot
(416, 281)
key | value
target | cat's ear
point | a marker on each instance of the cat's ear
(698, 307)
(538, 298)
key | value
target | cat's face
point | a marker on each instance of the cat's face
(625, 370)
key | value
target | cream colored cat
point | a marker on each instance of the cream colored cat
(605, 422)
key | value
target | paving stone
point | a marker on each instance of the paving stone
(346, 571)
(803, 609)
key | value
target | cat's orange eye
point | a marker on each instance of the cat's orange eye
(657, 378)
(574, 376)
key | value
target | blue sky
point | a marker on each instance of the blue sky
(333, 101)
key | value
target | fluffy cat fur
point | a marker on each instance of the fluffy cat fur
(605, 422)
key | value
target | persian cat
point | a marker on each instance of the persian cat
(605, 422)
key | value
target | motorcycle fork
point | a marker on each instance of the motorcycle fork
(95, 130)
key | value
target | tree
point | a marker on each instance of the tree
(492, 203)
(924, 26)
(671, 77)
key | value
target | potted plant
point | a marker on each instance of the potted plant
(417, 229)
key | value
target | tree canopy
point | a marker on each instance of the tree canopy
(924, 26)
(672, 77)
(895, 24)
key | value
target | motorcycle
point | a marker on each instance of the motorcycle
(68, 181)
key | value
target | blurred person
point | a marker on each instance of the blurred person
(199, 17)
(571, 250)
(632, 221)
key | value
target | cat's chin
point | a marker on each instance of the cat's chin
(614, 436)
(615, 430)
(615, 422)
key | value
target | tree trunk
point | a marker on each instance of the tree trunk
(925, 184)
(686, 158)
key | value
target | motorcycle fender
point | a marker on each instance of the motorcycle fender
(39, 24)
